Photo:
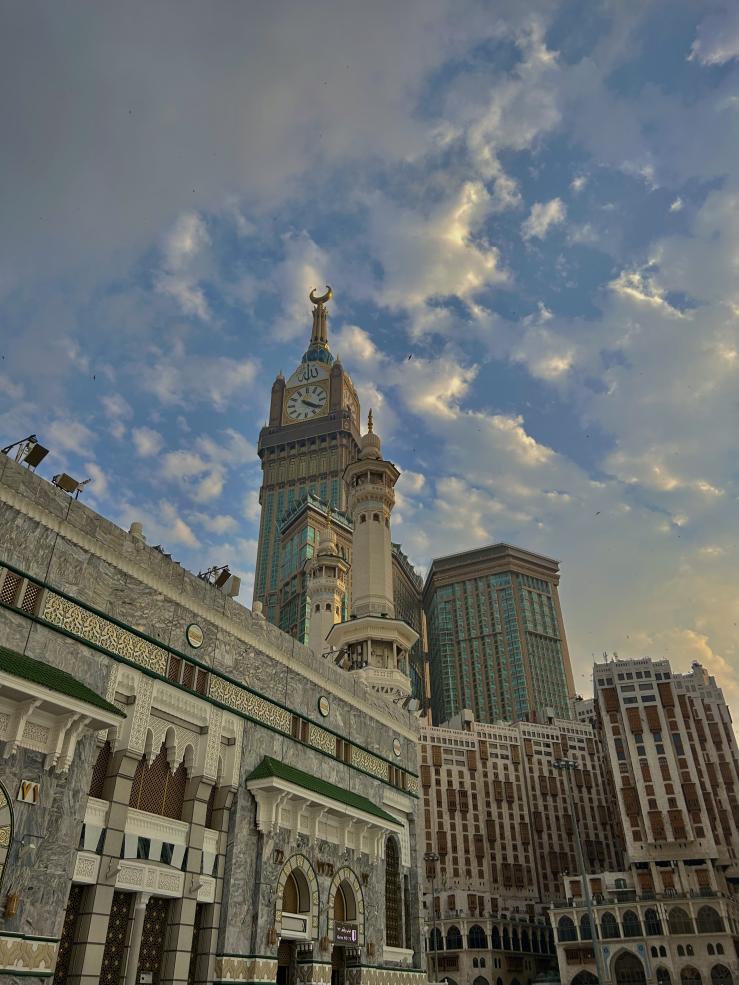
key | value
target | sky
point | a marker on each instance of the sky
(529, 216)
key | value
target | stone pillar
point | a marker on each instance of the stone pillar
(134, 944)
(92, 926)
(210, 924)
(178, 941)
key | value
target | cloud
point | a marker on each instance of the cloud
(147, 442)
(543, 216)
(182, 247)
(304, 268)
(99, 485)
(116, 407)
(717, 38)
(70, 435)
(642, 286)
(437, 253)
(162, 524)
(180, 378)
(214, 523)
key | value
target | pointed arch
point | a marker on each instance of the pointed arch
(566, 929)
(709, 921)
(720, 975)
(6, 828)
(299, 868)
(345, 882)
(627, 969)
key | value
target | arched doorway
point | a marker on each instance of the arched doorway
(628, 970)
(720, 975)
(345, 923)
(584, 978)
(296, 914)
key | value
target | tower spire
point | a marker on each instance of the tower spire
(319, 335)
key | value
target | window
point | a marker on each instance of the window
(679, 921)
(709, 921)
(393, 902)
(609, 926)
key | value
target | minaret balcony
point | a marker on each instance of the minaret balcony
(343, 634)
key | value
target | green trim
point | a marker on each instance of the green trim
(390, 967)
(59, 681)
(204, 697)
(30, 937)
(233, 954)
(25, 974)
(270, 767)
(244, 981)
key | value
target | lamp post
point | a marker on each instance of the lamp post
(433, 858)
(567, 765)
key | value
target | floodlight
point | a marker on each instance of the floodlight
(69, 485)
(35, 455)
(65, 482)
(222, 577)
(28, 450)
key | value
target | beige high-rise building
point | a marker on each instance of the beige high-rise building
(496, 812)
(670, 915)
(497, 641)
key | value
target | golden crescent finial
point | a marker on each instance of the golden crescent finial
(323, 299)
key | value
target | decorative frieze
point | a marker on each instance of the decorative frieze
(314, 972)
(20, 955)
(102, 632)
(250, 704)
(321, 739)
(246, 968)
(370, 764)
(365, 975)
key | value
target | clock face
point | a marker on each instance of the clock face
(306, 402)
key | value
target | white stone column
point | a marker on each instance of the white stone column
(134, 945)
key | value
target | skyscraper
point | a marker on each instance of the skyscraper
(497, 642)
(311, 436)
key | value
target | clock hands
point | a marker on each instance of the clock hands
(309, 404)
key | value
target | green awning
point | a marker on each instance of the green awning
(273, 767)
(57, 680)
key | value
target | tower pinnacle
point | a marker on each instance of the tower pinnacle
(319, 335)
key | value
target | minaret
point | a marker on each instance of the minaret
(373, 643)
(326, 588)
(371, 485)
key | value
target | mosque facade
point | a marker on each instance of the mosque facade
(187, 793)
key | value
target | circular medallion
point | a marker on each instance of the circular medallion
(324, 705)
(194, 635)
(397, 748)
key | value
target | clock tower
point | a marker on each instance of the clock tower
(310, 438)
